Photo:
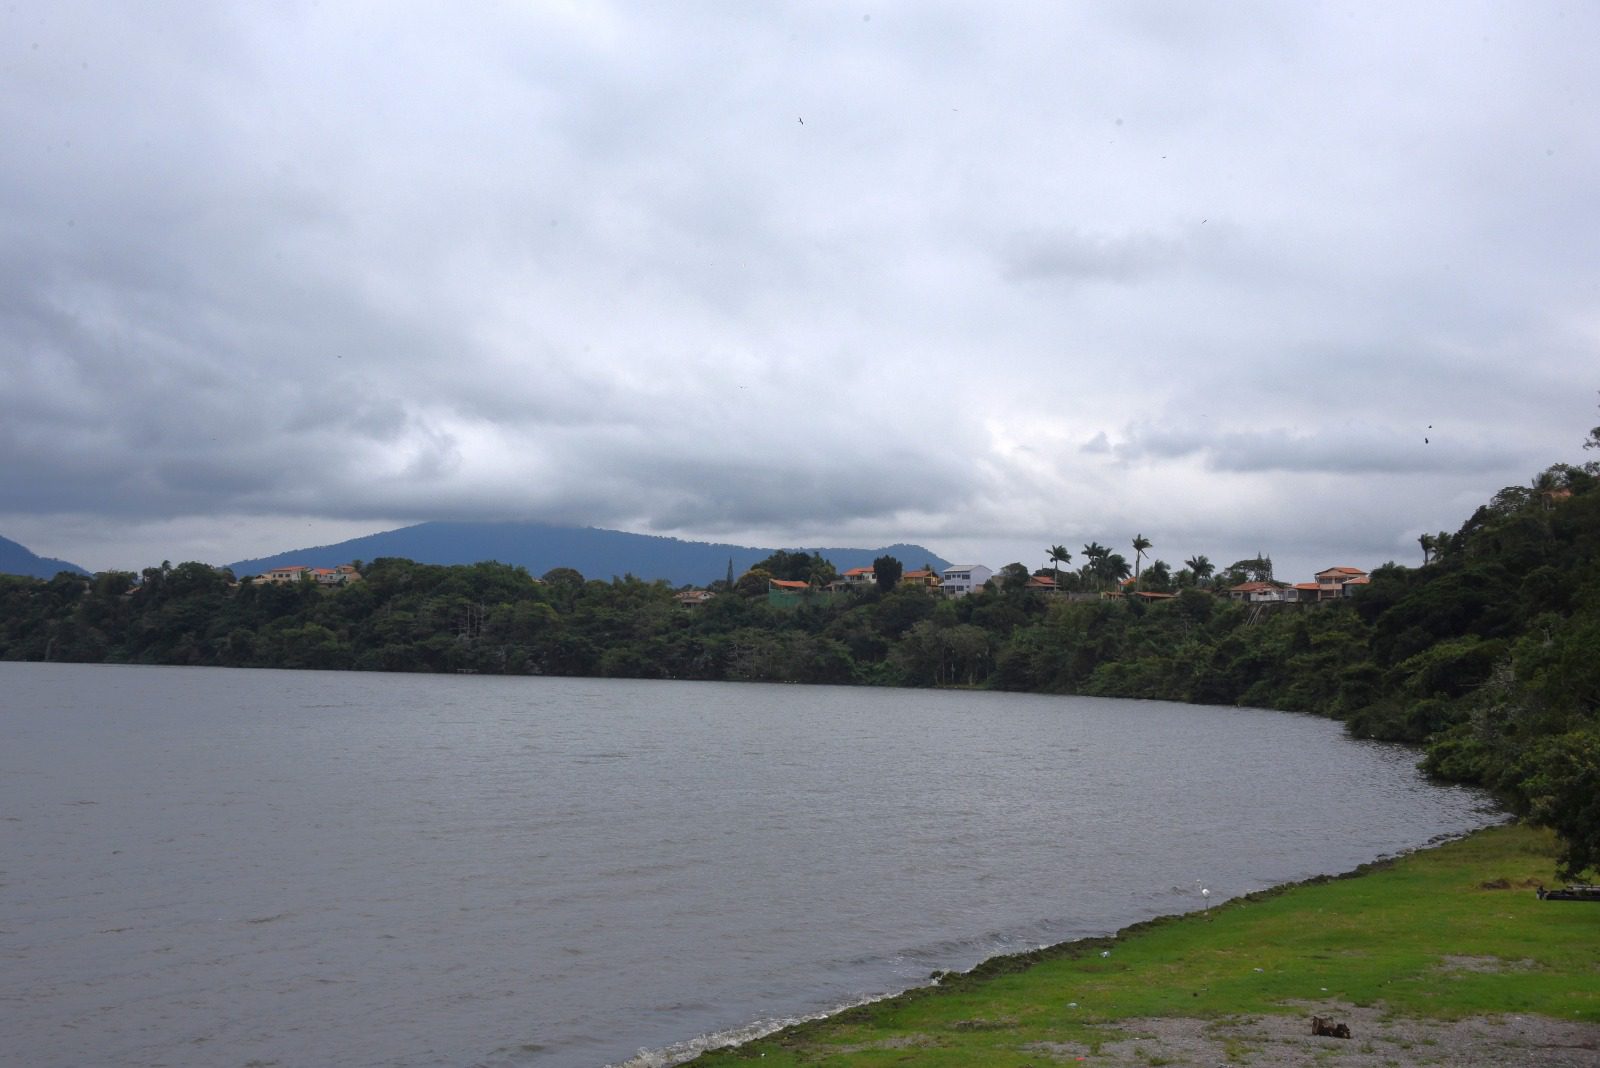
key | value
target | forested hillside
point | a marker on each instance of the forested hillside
(1489, 655)
(539, 547)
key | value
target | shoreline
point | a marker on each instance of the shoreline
(1034, 1000)
(689, 1050)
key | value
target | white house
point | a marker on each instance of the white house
(962, 579)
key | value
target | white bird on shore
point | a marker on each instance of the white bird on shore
(1205, 893)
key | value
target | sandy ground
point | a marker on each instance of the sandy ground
(1375, 1042)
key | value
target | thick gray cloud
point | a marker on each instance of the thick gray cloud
(989, 279)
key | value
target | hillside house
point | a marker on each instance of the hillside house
(858, 576)
(342, 575)
(1355, 585)
(928, 580)
(961, 579)
(1262, 593)
(1043, 585)
(1331, 581)
(290, 573)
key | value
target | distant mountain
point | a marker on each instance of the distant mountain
(18, 560)
(595, 552)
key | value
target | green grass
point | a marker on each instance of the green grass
(1446, 933)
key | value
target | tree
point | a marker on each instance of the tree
(1013, 577)
(799, 567)
(753, 583)
(1140, 544)
(1059, 556)
(1158, 579)
(1094, 563)
(1257, 568)
(1201, 566)
(1427, 542)
(1115, 567)
(886, 571)
(1563, 792)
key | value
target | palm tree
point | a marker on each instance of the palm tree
(1094, 561)
(1202, 567)
(1059, 556)
(1428, 545)
(1116, 567)
(1140, 544)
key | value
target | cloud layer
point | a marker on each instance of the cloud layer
(984, 279)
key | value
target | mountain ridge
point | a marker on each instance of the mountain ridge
(18, 559)
(595, 552)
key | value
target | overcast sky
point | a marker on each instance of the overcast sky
(1307, 279)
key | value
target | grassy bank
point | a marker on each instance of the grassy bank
(1445, 934)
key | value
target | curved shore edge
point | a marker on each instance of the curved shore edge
(1512, 851)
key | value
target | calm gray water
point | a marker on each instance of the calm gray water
(213, 867)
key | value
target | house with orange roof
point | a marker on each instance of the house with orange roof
(1044, 585)
(859, 576)
(1332, 580)
(1261, 593)
(335, 576)
(928, 580)
(342, 575)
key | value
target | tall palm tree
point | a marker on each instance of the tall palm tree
(1201, 567)
(1140, 544)
(1428, 544)
(1059, 556)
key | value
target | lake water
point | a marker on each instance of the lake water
(213, 867)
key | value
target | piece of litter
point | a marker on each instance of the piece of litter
(1072, 1004)
(1260, 969)
(1105, 953)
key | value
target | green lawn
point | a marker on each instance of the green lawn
(1449, 932)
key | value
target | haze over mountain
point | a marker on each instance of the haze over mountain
(595, 552)
(18, 559)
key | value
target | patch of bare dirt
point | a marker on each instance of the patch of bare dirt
(1484, 965)
(1287, 1042)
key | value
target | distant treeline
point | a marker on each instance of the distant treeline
(1489, 655)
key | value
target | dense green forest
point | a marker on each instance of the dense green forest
(1488, 654)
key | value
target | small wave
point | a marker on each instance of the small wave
(599, 758)
(679, 1052)
(965, 952)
